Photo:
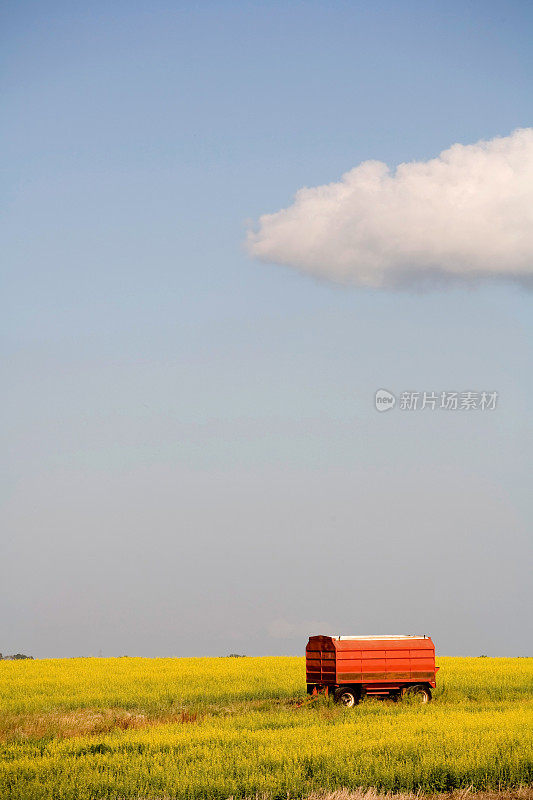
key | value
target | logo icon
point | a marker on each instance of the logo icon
(384, 400)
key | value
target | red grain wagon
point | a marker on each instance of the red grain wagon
(351, 667)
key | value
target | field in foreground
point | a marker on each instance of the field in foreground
(219, 727)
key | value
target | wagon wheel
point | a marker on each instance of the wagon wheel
(419, 693)
(346, 697)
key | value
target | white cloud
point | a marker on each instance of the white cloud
(465, 215)
(282, 629)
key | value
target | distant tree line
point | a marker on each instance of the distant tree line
(15, 657)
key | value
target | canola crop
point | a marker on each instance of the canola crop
(221, 727)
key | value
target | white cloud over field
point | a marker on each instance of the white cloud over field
(283, 629)
(466, 215)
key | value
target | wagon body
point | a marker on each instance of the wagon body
(373, 665)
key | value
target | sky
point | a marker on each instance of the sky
(193, 461)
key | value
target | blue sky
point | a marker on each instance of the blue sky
(194, 461)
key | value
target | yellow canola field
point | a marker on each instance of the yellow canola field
(194, 728)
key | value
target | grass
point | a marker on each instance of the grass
(196, 728)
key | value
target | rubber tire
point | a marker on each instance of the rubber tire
(346, 697)
(418, 692)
